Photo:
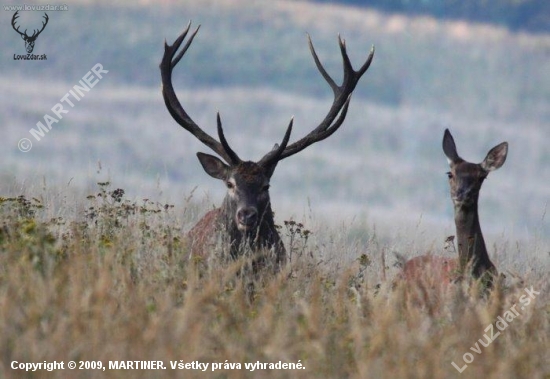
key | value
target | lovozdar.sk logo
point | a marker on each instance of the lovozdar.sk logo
(29, 40)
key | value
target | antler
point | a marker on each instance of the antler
(35, 33)
(342, 97)
(169, 61)
(13, 19)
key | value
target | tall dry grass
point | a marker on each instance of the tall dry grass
(109, 283)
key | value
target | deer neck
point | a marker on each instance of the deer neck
(471, 245)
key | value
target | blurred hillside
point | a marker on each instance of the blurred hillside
(527, 15)
(250, 61)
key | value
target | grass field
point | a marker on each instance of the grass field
(102, 278)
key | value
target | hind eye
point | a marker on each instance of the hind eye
(449, 175)
(229, 185)
(265, 188)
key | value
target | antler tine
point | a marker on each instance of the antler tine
(37, 33)
(179, 40)
(345, 58)
(320, 67)
(306, 141)
(232, 155)
(367, 63)
(340, 104)
(275, 155)
(13, 20)
(171, 100)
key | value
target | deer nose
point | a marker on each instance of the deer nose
(247, 216)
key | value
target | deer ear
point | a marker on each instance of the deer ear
(449, 148)
(213, 166)
(495, 157)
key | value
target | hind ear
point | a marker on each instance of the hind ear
(495, 157)
(449, 148)
(213, 166)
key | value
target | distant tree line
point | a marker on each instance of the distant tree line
(528, 15)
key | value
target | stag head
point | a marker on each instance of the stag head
(29, 40)
(247, 182)
(247, 204)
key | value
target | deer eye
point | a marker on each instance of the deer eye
(265, 188)
(229, 185)
(449, 175)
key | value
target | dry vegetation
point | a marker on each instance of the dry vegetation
(109, 283)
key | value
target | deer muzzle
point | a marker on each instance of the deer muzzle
(247, 218)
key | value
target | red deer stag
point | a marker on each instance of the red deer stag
(245, 218)
(465, 180)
